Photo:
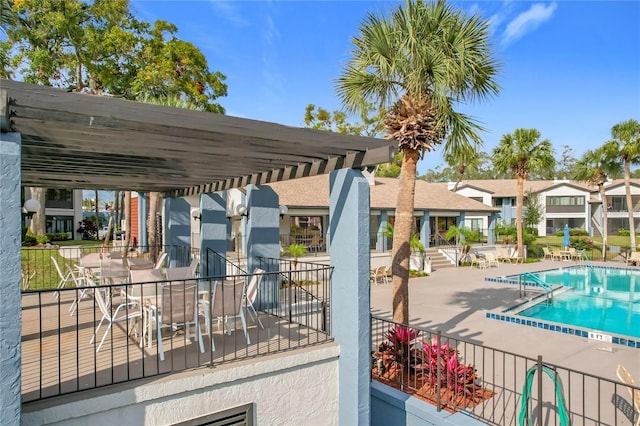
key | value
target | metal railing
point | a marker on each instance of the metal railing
(494, 386)
(59, 355)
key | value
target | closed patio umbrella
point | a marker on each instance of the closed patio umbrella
(566, 237)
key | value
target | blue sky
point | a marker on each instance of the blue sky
(571, 69)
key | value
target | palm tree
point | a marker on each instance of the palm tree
(626, 142)
(520, 153)
(461, 160)
(419, 64)
(595, 167)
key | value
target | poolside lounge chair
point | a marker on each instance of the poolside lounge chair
(627, 379)
(503, 256)
(491, 260)
(547, 253)
(634, 258)
(378, 275)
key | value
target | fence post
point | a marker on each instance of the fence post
(540, 390)
(438, 370)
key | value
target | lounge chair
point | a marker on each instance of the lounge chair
(627, 379)
(378, 275)
(634, 258)
(491, 260)
(503, 256)
(547, 253)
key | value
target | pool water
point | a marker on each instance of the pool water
(604, 299)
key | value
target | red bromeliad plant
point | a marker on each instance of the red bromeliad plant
(399, 342)
(455, 375)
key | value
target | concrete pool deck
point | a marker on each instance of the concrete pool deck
(456, 300)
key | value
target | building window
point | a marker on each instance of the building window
(59, 224)
(569, 200)
(473, 224)
(59, 199)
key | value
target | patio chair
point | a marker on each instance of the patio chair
(83, 287)
(126, 311)
(251, 293)
(179, 308)
(627, 379)
(634, 258)
(503, 256)
(378, 275)
(161, 260)
(475, 261)
(491, 260)
(64, 279)
(547, 253)
(227, 304)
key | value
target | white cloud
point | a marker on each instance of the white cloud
(229, 12)
(528, 21)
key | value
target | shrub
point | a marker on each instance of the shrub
(29, 240)
(42, 239)
(59, 236)
(623, 233)
(580, 243)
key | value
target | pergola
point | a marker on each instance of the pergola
(58, 139)
(80, 141)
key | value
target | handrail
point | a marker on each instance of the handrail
(548, 288)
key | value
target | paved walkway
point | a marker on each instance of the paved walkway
(455, 300)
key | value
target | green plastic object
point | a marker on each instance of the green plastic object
(563, 413)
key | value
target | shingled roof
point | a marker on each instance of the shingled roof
(314, 192)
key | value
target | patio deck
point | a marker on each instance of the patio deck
(57, 357)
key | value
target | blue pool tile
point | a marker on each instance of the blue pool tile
(615, 340)
(623, 342)
(564, 330)
(631, 344)
(552, 328)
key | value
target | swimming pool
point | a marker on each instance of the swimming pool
(593, 298)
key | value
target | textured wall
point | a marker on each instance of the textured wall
(291, 388)
(10, 278)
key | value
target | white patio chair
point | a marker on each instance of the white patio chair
(250, 294)
(478, 263)
(126, 311)
(179, 308)
(160, 262)
(227, 304)
(64, 279)
(491, 260)
(83, 287)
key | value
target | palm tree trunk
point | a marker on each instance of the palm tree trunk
(402, 236)
(116, 209)
(627, 189)
(37, 225)
(461, 169)
(519, 203)
(605, 230)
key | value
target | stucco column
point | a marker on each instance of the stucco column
(263, 238)
(350, 298)
(10, 302)
(177, 226)
(425, 230)
(491, 233)
(213, 233)
(143, 212)
(381, 240)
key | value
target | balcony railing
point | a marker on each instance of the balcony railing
(59, 355)
(495, 386)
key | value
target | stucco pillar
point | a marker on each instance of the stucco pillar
(350, 298)
(425, 230)
(491, 233)
(143, 213)
(213, 232)
(263, 238)
(381, 240)
(177, 226)
(10, 302)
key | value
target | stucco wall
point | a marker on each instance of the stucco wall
(291, 388)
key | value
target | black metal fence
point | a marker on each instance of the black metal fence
(96, 334)
(495, 386)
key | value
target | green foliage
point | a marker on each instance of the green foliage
(573, 232)
(42, 239)
(295, 250)
(532, 209)
(370, 124)
(624, 233)
(462, 235)
(60, 236)
(100, 47)
(580, 243)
